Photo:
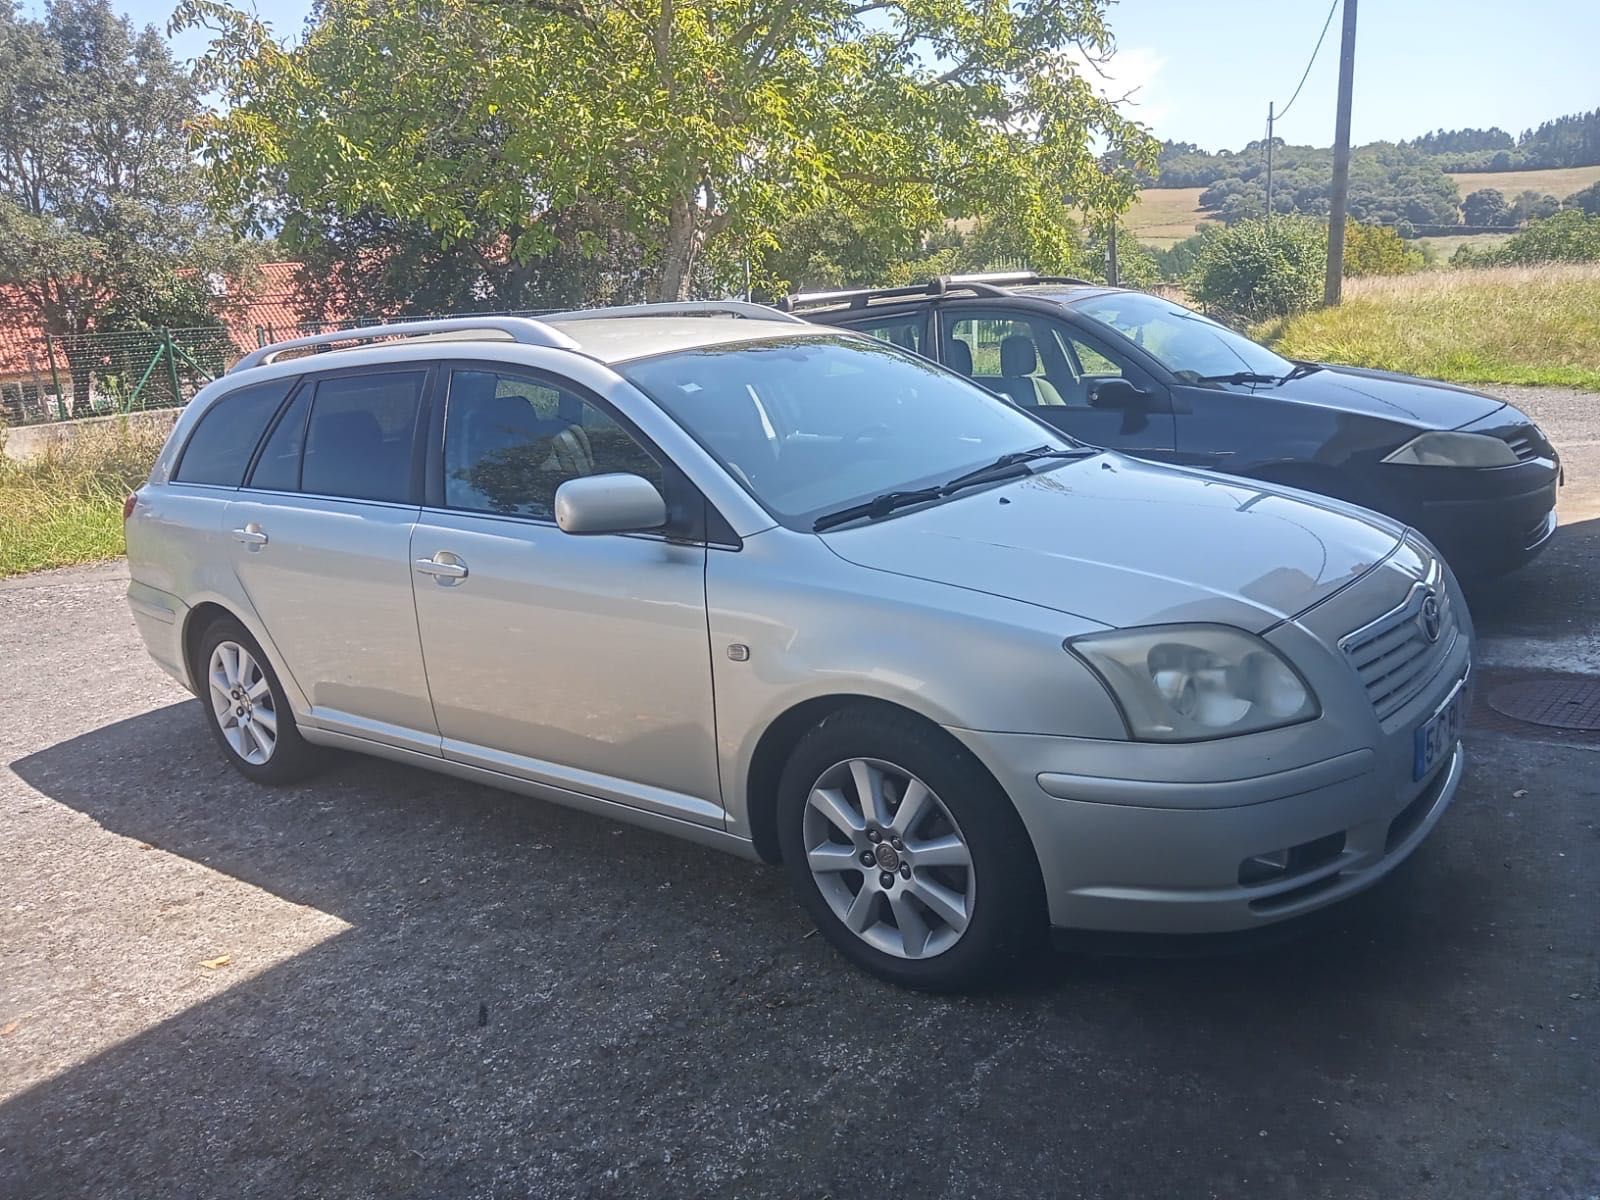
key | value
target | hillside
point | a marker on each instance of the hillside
(1559, 182)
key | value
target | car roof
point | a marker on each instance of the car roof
(618, 339)
(913, 300)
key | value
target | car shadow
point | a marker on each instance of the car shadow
(528, 996)
(1556, 595)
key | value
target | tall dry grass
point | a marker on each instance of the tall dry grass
(1534, 325)
(65, 505)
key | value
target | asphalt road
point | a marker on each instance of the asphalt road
(418, 987)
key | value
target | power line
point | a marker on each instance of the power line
(1284, 111)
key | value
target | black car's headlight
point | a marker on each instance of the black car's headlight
(1441, 449)
(1185, 683)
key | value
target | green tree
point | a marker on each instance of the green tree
(1253, 271)
(103, 221)
(1533, 206)
(1586, 201)
(697, 127)
(1486, 208)
(1569, 236)
(1378, 250)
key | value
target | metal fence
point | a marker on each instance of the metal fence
(97, 374)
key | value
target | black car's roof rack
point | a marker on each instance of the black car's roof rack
(990, 283)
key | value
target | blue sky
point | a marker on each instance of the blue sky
(1203, 70)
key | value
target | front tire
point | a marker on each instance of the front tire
(906, 852)
(246, 709)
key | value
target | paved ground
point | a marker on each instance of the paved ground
(423, 988)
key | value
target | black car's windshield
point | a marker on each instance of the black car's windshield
(812, 425)
(1189, 345)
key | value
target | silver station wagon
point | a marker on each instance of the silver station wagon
(799, 594)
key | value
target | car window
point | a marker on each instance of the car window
(1091, 361)
(906, 331)
(1017, 356)
(278, 468)
(1189, 345)
(811, 424)
(510, 441)
(219, 449)
(358, 440)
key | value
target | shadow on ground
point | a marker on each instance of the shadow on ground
(659, 1022)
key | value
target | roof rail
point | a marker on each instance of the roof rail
(679, 308)
(516, 329)
(989, 283)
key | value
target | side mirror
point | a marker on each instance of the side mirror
(1117, 393)
(609, 504)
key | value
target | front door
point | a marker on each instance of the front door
(1057, 372)
(581, 662)
(320, 539)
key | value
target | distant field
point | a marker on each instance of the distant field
(1495, 325)
(1162, 217)
(1444, 247)
(1559, 182)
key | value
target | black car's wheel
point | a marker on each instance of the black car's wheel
(906, 852)
(246, 709)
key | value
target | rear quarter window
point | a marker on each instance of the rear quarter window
(219, 449)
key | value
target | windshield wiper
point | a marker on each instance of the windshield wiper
(1008, 465)
(1239, 377)
(877, 508)
(1299, 369)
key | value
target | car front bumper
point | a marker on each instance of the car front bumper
(1484, 521)
(1229, 835)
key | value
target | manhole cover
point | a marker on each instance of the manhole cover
(1565, 704)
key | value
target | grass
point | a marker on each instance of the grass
(1162, 217)
(1559, 182)
(65, 506)
(1531, 325)
(1444, 247)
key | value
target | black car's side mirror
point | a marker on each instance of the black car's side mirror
(1117, 393)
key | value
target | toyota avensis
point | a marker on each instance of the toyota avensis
(800, 594)
(1138, 374)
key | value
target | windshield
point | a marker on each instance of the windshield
(1192, 347)
(809, 425)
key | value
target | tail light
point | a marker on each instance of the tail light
(129, 502)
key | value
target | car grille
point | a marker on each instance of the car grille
(1394, 656)
(1524, 443)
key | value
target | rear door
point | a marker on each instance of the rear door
(1056, 371)
(320, 538)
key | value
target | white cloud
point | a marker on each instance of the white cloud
(1126, 77)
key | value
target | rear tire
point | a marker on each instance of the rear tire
(246, 710)
(952, 896)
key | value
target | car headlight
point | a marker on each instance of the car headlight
(1454, 450)
(1186, 683)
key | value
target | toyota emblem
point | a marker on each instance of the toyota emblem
(1432, 621)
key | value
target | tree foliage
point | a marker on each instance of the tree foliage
(694, 129)
(1587, 200)
(1486, 208)
(1377, 250)
(1253, 270)
(103, 219)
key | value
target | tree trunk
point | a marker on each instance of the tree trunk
(678, 255)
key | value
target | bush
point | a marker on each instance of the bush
(1569, 236)
(1378, 250)
(1253, 272)
(1586, 201)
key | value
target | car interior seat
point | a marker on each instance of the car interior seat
(1019, 359)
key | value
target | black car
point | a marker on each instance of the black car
(1132, 372)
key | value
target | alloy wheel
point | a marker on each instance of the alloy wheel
(888, 858)
(241, 699)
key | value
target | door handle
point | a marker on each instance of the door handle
(445, 567)
(251, 535)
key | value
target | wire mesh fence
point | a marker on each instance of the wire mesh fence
(58, 378)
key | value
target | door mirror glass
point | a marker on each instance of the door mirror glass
(618, 503)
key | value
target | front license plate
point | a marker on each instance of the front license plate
(1435, 736)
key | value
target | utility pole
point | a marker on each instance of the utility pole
(1341, 158)
(1269, 163)
(1111, 254)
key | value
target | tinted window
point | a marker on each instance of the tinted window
(511, 441)
(1187, 344)
(358, 441)
(811, 424)
(220, 447)
(278, 468)
(905, 331)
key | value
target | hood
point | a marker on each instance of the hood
(1422, 402)
(1122, 542)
